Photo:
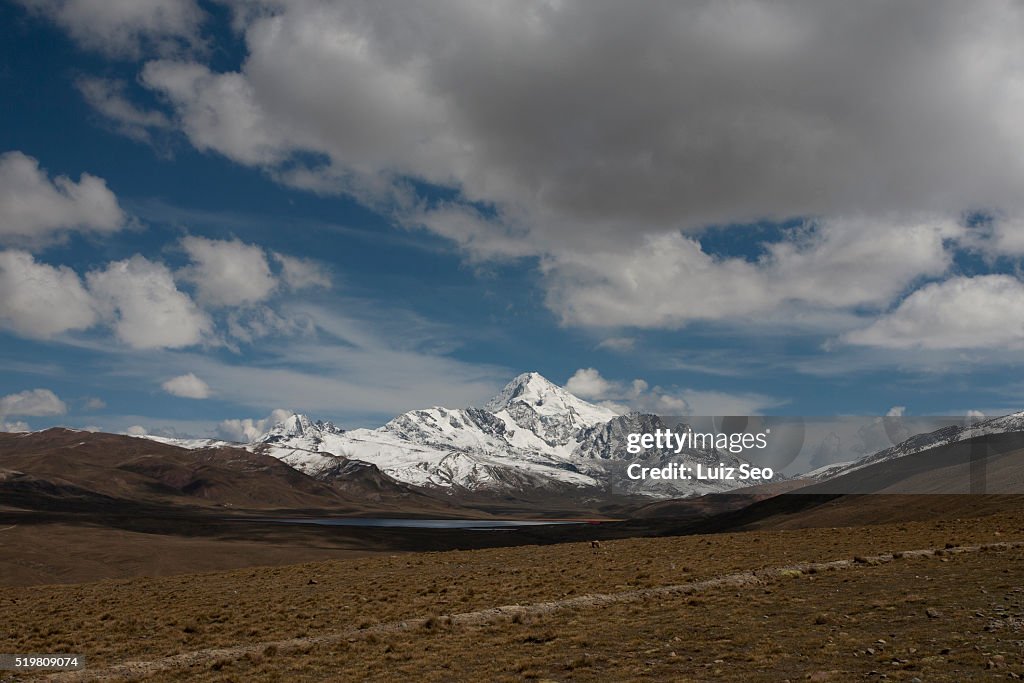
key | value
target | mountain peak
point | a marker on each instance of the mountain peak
(297, 425)
(523, 388)
(546, 398)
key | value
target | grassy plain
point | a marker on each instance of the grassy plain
(947, 617)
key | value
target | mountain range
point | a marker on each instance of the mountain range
(534, 437)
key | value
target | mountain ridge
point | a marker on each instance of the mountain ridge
(533, 434)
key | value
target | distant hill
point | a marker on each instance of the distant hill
(62, 467)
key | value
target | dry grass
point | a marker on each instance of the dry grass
(802, 625)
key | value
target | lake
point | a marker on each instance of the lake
(419, 523)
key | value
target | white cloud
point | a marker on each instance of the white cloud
(217, 112)
(227, 272)
(257, 322)
(363, 366)
(722, 403)
(248, 429)
(668, 281)
(41, 301)
(975, 416)
(638, 395)
(32, 402)
(588, 383)
(94, 403)
(379, 94)
(145, 307)
(136, 430)
(15, 426)
(961, 313)
(123, 28)
(35, 209)
(187, 386)
(896, 411)
(300, 273)
(357, 98)
(1000, 235)
(621, 344)
(108, 97)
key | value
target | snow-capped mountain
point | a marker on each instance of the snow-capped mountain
(191, 444)
(923, 442)
(532, 435)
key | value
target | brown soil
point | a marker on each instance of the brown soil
(758, 635)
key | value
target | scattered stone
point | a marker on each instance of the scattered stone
(933, 613)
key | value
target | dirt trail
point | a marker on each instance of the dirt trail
(141, 669)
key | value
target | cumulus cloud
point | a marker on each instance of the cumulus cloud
(33, 403)
(300, 273)
(125, 29)
(145, 307)
(588, 383)
(14, 426)
(227, 272)
(861, 120)
(94, 403)
(638, 395)
(248, 429)
(218, 112)
(187, 386)
(804, 109)
(40, 301)
(669, 280)
(136, 430)
(960, 313)
(35, 209)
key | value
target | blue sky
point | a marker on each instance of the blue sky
(353, 211)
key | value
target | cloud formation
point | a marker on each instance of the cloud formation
(32, 403)
(961, 313)
(108, 98)
(300, 273)
(638, 395)
(248, 429)
(187, 386)
(605, 161)
(125, 29)
(145, 307)
(227, 272)
(41, 301)
(729, 113)
(35, 209)
(669, 280)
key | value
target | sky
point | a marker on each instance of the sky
(213, 211)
